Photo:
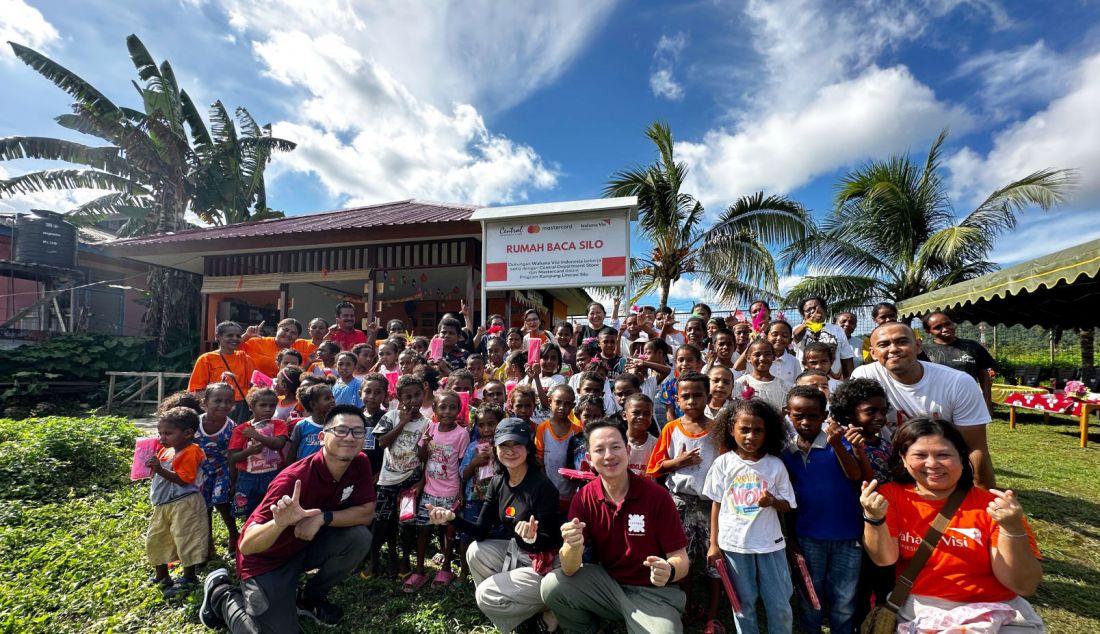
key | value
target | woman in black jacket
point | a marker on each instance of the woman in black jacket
(522, 503)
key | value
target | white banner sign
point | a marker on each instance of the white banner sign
(567, 251)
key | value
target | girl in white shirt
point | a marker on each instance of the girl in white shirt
(749, 487)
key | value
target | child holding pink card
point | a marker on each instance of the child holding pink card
(179, 526)
(477, 470)
(544, 371)
(255, 448)
(442, 446)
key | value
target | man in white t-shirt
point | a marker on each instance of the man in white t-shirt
(916, 388)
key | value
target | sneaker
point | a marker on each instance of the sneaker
(207, 615)
(322, 612)
(182, 586)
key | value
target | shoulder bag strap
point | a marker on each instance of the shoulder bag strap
(231, 373)
(904, 585)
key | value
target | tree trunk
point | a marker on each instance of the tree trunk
(666, 285)
(1088, 352)
(172, 295)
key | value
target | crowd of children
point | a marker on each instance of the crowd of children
(762, 454)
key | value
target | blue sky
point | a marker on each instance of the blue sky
(511, 102)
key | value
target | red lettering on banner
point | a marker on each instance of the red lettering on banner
(523, 248)
(496, 272)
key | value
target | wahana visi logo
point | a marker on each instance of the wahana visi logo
(533, 229)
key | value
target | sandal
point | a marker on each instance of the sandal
(438, 559)
(414, 583)
(443, 578)
(714, 627)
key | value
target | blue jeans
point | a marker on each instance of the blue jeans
(834, 568)
(762, 576)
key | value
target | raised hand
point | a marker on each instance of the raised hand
(462, 310)
(854, 435)
(480, 457)
(439, 515)
(528, 531)
(833, 432)
(660, 571)
(689, 458)
(572, 533)
(873, 503)
(1005, 509)
(288, 511)
(254, 331)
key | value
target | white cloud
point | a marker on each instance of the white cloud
(1066, 134)
(392, 112)
(1039, 234)
(808, 44)
(662, 80)
(369, 139)
(23, 24)
(822, 101)
(876, 114)
(482, 52)
(692, 289)
(1024, 75)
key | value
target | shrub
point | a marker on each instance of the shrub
(58, 457)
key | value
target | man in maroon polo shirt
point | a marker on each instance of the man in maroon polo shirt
(636, 547)
(314, 516)
(344, 331)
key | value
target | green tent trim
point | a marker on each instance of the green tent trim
(1061, 289)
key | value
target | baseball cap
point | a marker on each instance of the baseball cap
(512, 430)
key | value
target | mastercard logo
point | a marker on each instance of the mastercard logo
(533, 229)
(510, 511)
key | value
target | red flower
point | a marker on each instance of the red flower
(748, 392)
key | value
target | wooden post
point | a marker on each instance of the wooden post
(110, 392)
(371, 294)
(470, 306)
(1086, 408)
(1012, 417)
(160, 388)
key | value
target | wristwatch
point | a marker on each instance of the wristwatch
(326, 518)
(671, 574)
(874, 522)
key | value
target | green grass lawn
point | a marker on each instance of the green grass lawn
(79, 565)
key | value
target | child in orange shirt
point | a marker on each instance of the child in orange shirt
(179, 526)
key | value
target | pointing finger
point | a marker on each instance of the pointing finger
(297, 491)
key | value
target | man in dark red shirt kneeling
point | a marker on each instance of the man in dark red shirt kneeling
(636, 547)
(314, 516)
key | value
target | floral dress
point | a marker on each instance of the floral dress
(216, 486)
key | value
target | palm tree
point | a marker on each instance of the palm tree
(894, 235)
(161, 162)
(731, 257)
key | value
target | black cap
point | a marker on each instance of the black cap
(512, 430)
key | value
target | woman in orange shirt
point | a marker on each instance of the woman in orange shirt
(226, 364)
(987, 554)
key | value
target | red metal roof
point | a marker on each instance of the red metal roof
(396, 213)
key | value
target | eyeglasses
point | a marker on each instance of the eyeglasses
(342, 432)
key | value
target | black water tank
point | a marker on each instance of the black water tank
(43, 237)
